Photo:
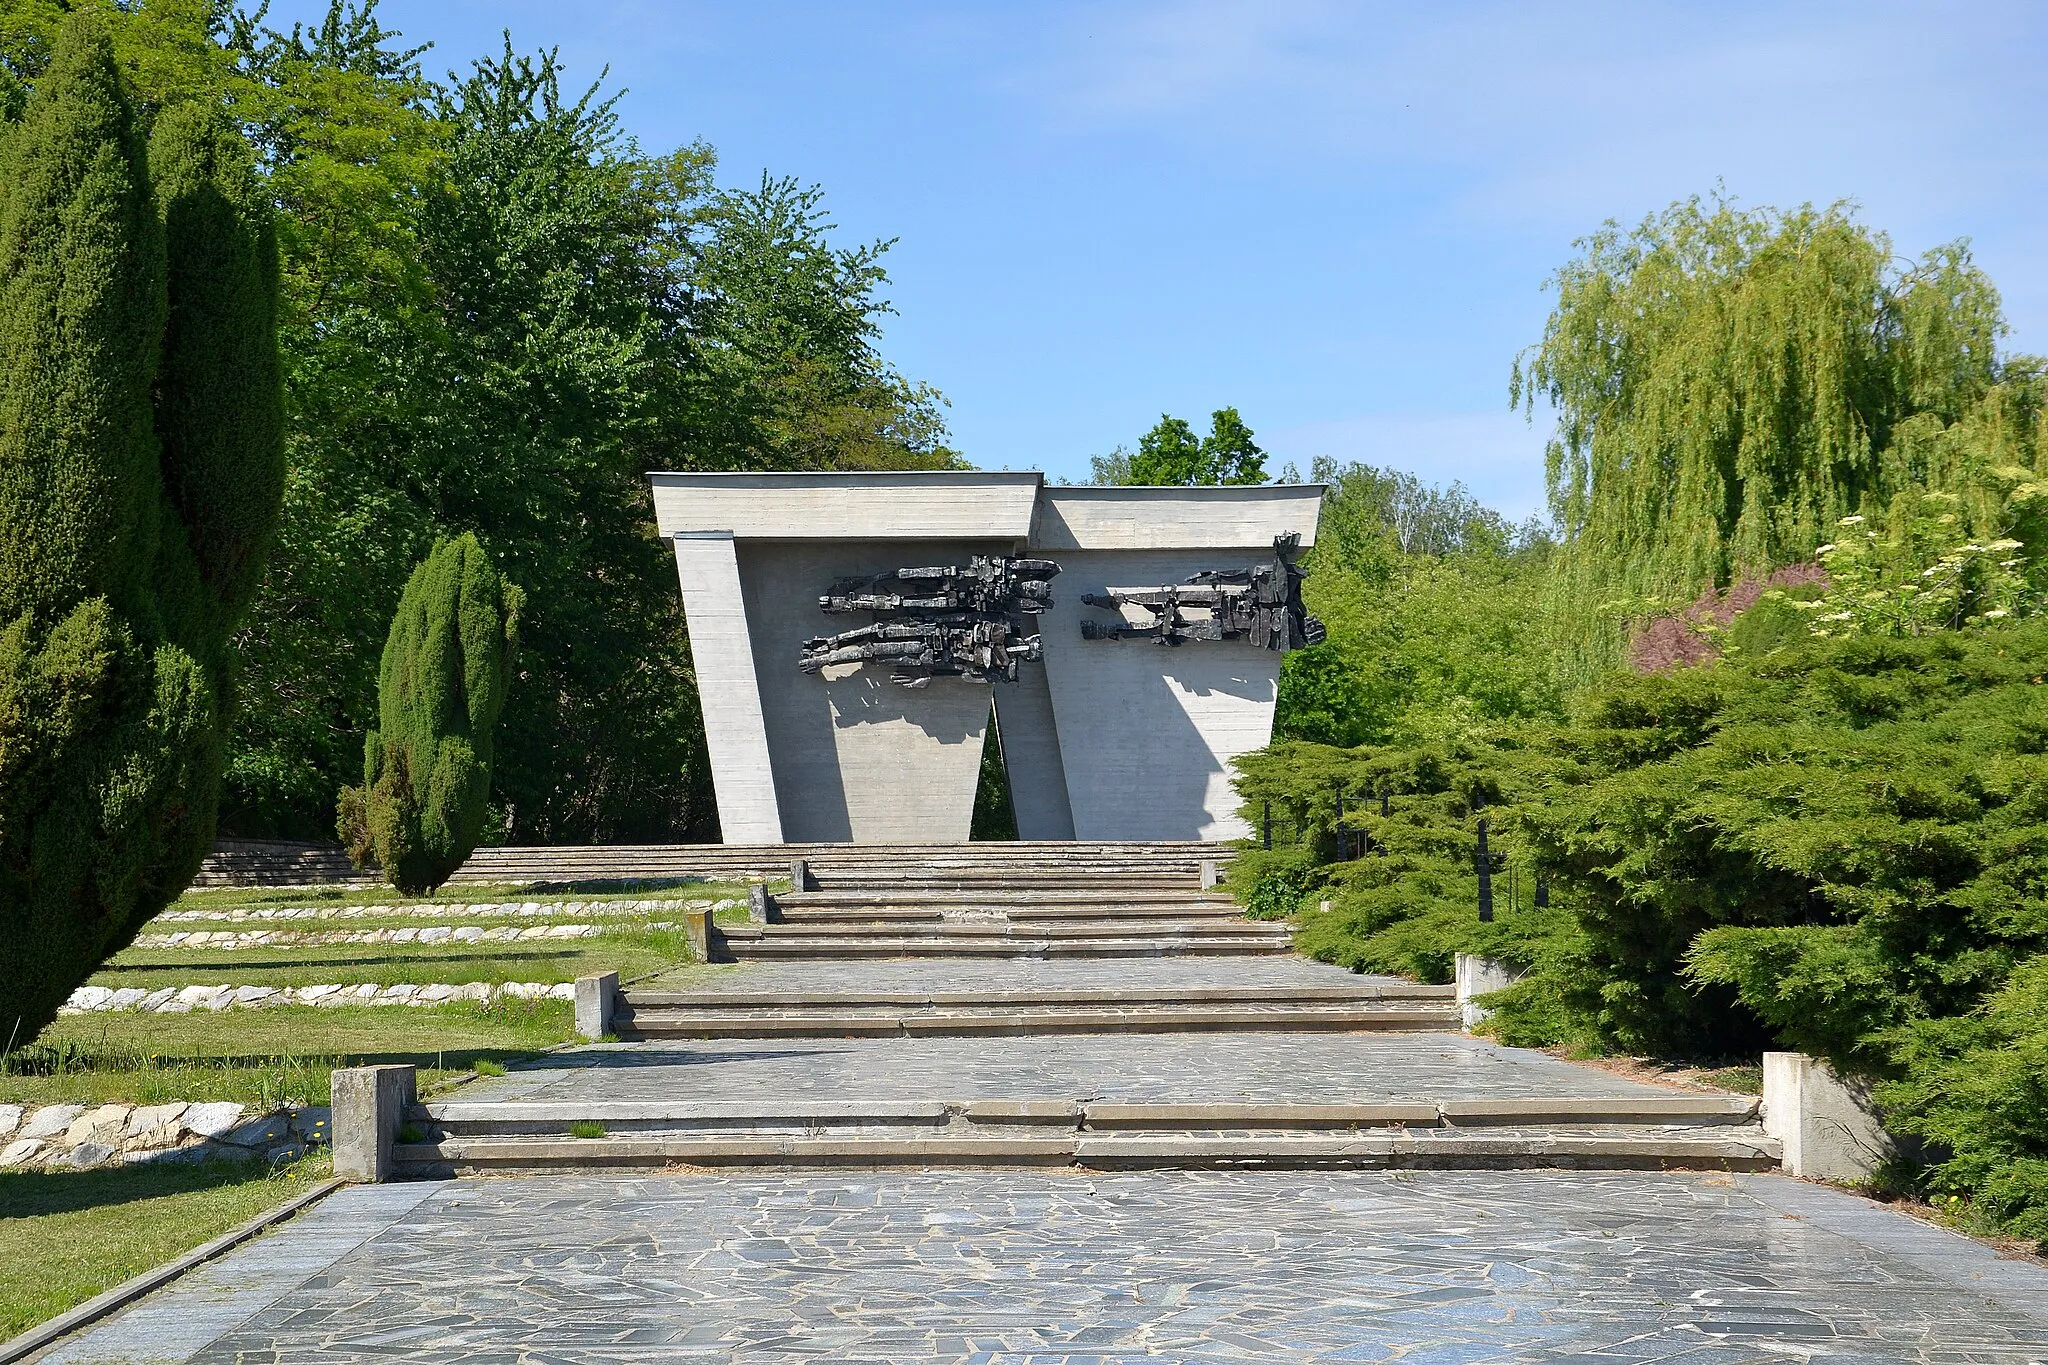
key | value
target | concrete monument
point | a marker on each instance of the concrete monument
(872, 732)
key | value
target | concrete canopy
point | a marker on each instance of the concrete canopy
(1103, 740)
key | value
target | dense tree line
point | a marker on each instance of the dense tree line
(1758, 713)
(498, 311)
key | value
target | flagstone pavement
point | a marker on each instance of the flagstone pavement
(1424, 1268)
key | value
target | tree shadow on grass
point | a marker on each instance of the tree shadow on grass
(31, 1194)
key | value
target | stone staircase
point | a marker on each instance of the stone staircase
(277, 862)
(1692, 1132)
(267, 862)
(651, 1012)
(1089, 1006)
(1007, 901)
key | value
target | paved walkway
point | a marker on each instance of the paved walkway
(1016, 974)
(1276, 1068)
(1428, 1268)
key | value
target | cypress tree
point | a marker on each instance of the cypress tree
(220, 391)
(124, 558)
(427, 767)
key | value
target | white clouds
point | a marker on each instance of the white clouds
(1556, 108)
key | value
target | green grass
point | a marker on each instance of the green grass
(269, 1057)
(628, 951)
(613, 923)
(252, 897)
(1743, 1080)
(585, 1128)
(66, 1236)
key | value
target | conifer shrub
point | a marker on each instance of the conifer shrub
(140, 462)
(448, 663)
(1406, 901)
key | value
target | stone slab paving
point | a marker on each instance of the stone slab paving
(1424, 1268)
(1303, 1068)
(952, 974)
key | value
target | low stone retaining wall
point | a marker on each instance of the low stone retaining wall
(82, 1137)
(443, 910)
(229, 940)
(185, 999)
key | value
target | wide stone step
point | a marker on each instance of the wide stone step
(990, 1022)
(1076, 883)
(1003, 926)
(1010, 902)
(745, 948)
(1657, 1132)
(1136, 994)
(876, 912)
(512, 1118)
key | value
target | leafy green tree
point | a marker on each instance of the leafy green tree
(1435, 613)
(786, 331)
(448, 664)
(1171, 453)
(139, 461)
(1730, 383)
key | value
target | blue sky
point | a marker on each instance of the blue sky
(1336, 216)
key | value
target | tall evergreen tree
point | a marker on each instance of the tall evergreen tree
(427, 767)
(125, 556)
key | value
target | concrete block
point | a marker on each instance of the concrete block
(705, 940)
(1826, 1122)
(370, 1103)
(1479, 976)
(1212, 876)
(800, 878)
(761, 907)
(595, 998)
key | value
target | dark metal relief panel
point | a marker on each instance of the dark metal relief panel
(1260, 602)
(959, 621)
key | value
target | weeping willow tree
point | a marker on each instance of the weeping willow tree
(1730, 383)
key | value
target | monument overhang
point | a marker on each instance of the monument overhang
(1229, 517)
(1105, 735)
(940, 504)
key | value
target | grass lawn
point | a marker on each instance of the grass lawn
(66, 1236)
(628, 951)
(249, 897)
(268, 1057)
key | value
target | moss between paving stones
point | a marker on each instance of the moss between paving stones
(66, 1236)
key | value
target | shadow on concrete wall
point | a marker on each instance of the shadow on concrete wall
(869, 698)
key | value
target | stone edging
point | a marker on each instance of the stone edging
(185, 999)
(230, 940)
(440, 910)
(83, 1137)
(121, 1295)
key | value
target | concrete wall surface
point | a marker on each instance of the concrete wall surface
(1826, 1122)
(855, 756)
(1089, 518)
(936, 505)
(1146, 731)
(735, 734)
